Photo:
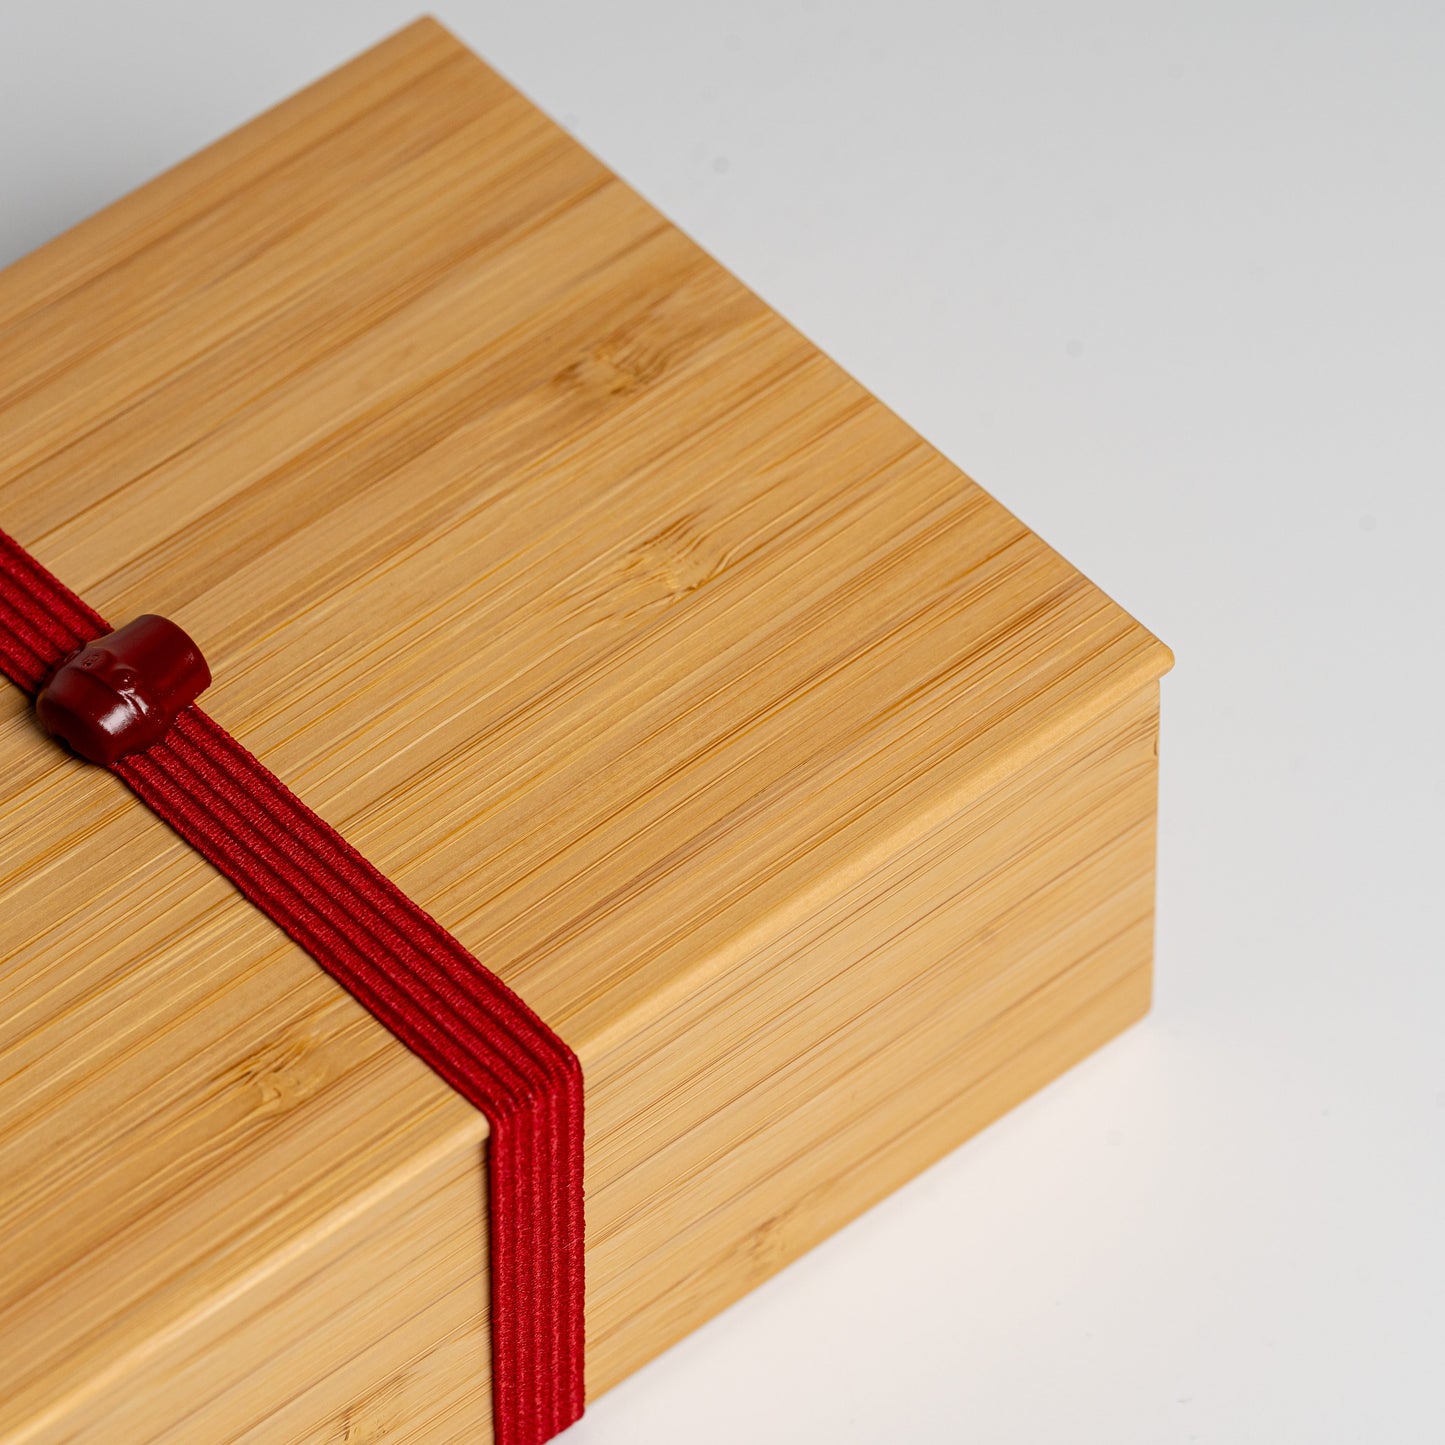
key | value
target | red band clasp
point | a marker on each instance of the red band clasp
(122, 693)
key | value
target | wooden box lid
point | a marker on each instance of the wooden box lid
(592, 602)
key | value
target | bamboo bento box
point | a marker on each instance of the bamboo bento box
(804, 791)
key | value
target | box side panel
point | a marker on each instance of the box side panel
(378, 1332)
(864, 1042)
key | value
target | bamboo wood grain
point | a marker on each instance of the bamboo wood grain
(802, 787)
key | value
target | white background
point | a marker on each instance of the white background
(1168, 280)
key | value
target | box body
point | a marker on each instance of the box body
(796, 783)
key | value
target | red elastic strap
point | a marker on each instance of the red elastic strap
(407, 970)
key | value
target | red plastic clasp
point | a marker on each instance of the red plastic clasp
(120, 694)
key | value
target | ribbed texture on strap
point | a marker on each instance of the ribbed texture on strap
(407, 970)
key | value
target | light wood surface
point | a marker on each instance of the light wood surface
(797, 783)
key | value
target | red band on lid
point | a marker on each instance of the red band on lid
(417, 979)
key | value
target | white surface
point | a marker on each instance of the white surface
(1168, 280)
